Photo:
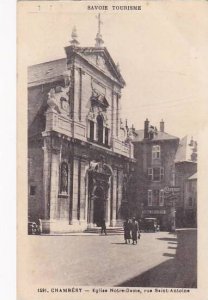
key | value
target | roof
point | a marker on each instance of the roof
(87, 52)
(192, 177)
(53, 70)
(160, 136)
(185, 150)
(46, 72)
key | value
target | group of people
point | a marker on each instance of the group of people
(131, 231)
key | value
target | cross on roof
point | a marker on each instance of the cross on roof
(99, 22)
(99, 40)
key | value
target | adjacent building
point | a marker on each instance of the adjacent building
(80, 155)
(155, 152)
(190, 201)
(185, 168)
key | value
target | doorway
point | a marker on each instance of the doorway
(99, 206)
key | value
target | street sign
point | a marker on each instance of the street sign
(172, 195)
(172, 189)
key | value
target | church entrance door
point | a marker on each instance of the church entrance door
(99, 206)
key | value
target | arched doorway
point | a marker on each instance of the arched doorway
(99, 206)
(99, 193)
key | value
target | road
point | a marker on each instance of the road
(158, 260)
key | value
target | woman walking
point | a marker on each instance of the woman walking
(127, 231)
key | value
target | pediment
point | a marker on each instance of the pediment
(101, 59)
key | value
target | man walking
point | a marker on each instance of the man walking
(127, 231)
(134, 230)
(103, 227)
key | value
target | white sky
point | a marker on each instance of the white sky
(162, 52)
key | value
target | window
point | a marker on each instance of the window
(161, 173)
(156, 152)
(100, 129)
(91, 124)
(190, 186)
(161, 201)
(106, 136)
(149, 198)
(32, 190)
(155, 199)
(173, 178)
(190, 201)
(156, 174)
(150, 173)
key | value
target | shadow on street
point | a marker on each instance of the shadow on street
(168, 239)
(180, 271)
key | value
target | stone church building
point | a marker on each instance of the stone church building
(80, 154)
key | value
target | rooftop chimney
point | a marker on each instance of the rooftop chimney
(146, 129)
(162, 126)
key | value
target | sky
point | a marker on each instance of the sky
(162, 53)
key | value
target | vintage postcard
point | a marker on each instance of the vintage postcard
(112, 119)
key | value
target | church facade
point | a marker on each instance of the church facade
(80, 154)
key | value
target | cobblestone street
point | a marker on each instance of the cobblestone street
(159, 259)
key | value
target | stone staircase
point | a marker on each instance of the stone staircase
(109, 230)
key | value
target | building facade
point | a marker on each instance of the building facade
(190, 201)
(155, 172)
(80, 156)
(185, 167)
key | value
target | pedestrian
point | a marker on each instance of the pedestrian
(103, 227)
(134, 230)
(127, 231)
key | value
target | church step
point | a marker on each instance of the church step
(109, 230)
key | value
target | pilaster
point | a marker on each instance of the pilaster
(54, 186)
(83, 214)
(75, 190)
(46, 180)
(114, 199)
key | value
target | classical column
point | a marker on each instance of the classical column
(112, 114)
(95, 131)
(103, 134)
(114, 199)
(46, 181)
(91, 210)
(120, 186)
(108, 204)
(83, 214)
(54, 186)
(75, 190)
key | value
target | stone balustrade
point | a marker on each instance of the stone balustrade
(63, 124)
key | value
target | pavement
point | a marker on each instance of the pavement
(159, 259)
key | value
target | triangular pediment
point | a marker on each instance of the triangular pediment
(101, 59)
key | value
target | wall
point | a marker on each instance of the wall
(190, 211)
(143, 154)
(183, 171)
(35, 178)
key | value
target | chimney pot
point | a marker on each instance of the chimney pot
(162, 126)
(146, 129)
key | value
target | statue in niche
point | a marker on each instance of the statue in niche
(64, 178)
